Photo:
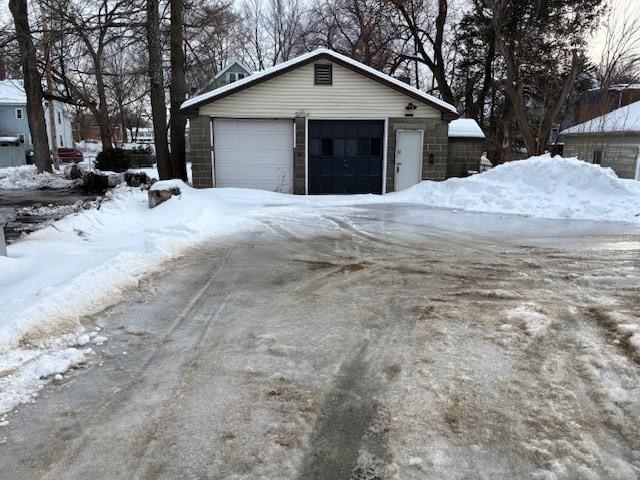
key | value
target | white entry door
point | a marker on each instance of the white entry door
(408, 158)
(254, 154)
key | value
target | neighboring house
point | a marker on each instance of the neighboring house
(142, 135)
(466, 144)
(15, 137)
(233, 72)
(611, 140)
(320, 123)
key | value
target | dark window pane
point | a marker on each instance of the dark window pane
(327, 146)
(376, 146)
(351, 147)
(314, 146)
(363, 146)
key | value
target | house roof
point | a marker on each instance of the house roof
(465, 128)
(12, 92)
(621, 120)
(231, 64)
(264, 75)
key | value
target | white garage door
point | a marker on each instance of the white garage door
(254, 154)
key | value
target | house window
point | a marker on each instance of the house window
(241, 75)
(61, 141)
(232, 77)
(59, 118)
(21, 137)
(323, 74)
(597, 157)
(19, 114)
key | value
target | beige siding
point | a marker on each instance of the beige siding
(620, 152)
(351, 96)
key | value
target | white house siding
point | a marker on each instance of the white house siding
(64, 129)
(620, 152)
(294, 94)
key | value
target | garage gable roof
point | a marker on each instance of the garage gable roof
(321, 53)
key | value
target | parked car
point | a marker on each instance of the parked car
(70, 155)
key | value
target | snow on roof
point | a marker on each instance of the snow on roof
(624, 119)
(231, 64)
(306, 57)
(465, 128)
(12, 92)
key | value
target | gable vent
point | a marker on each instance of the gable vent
(323, 74)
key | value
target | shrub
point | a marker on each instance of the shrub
(114, 159)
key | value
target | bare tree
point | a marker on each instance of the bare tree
(157, 91)
(212, 37)
(89, 28)
(177, 91)
(543, 50)
(365, 30)
(32, 85)
(620, 58)
(427, 25)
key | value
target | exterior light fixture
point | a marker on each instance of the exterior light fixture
(408, 110)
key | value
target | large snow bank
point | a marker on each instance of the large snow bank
(545, 186)
(26, 177)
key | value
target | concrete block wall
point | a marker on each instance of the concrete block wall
(464, 155)
(434, 154)
(299, 154)
(200, 146)
(434, 147)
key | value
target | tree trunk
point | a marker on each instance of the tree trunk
(106, 135)
(177, 91)
(32, 86)
(157, 91)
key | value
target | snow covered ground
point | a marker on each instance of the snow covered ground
(394, 342)
(88, 261)
(26, 177)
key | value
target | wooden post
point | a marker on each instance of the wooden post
(3, 243)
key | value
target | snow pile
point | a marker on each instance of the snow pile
(545, 186)
(26, 177)
(86, 262)
(93, 257)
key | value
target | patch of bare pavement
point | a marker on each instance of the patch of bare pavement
(359, 344)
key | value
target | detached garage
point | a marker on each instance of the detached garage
(318, 124)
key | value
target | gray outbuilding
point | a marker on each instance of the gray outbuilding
(466, 144)
(611, 140)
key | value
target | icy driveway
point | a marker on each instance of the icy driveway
(369, 343)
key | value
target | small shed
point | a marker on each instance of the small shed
(466, 144)
(611, 140)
